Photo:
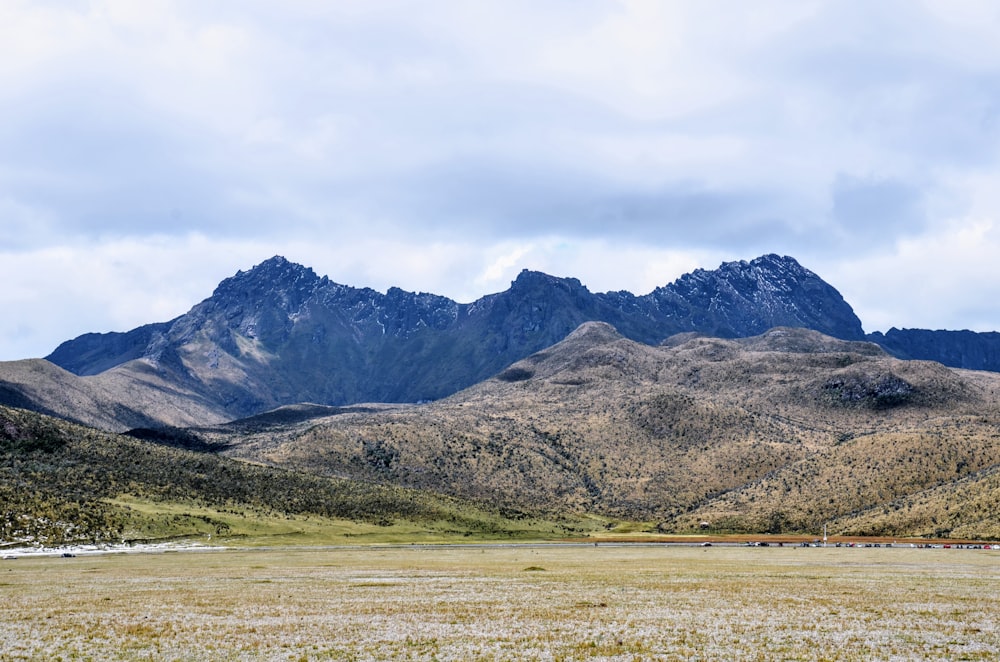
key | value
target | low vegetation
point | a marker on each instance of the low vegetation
(505, 603)
(784, 433)
(62, 483)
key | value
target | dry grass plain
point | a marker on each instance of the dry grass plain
(541, 602)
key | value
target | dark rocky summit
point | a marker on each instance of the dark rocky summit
(742, 299)
(279, 334)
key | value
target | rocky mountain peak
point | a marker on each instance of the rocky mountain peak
(270, 276)
(747, 298)
(767, 273)
(528, 281)
(775, 271)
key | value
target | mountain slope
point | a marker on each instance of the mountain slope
(133, 395)
(279, 334)
(786, 431)
(62, 483)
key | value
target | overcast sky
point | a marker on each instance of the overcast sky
(150, 149)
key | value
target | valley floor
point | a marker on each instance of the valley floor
(534, 602)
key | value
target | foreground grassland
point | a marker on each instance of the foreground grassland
(495, 603)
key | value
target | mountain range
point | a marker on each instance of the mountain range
(743, 399)
(278, 334)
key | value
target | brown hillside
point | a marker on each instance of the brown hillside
(135, 394)
(783, 431)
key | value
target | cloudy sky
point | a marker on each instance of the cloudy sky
(149, 149)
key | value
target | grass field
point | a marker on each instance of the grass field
(541, 602)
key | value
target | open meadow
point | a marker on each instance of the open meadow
(524, 602)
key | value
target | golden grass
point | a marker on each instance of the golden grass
(504, 603)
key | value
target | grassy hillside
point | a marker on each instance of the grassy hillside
(60, 482)
(923, 481)
(783, 432)
(967, 508)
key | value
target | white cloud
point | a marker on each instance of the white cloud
(944, 279)
(63, 291)
(444, 147)
(504, 265)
